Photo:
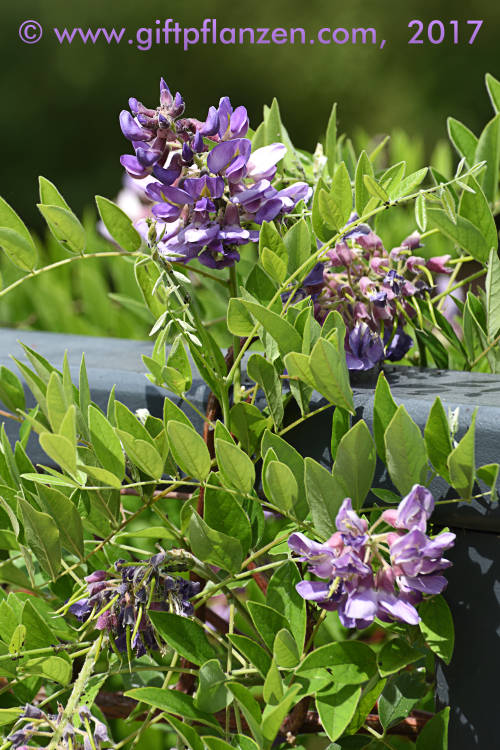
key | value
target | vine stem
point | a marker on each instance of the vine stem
(233, 291)
(76, 693)
(65, 262)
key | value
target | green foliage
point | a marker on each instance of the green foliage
(219, 507)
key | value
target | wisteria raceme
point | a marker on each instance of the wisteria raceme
(120, 604)
(369, 575)
(371, 288)
(210, 192)
(33, 722)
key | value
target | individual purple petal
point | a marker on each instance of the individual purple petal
(165, 95)
(313, 590)
(133, 166)
(147, 156)
(211, 125)
(131, 129)
(415, 509)
(239, 123)
(263, 160)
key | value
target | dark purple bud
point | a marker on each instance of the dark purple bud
(133, 166)
(412, 242)
(165, 95)
(187, 154)
(211, 125)
(198, 145)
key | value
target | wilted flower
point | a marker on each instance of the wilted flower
(367, 574)
(120, 604)
(89, 734)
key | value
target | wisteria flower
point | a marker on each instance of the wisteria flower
(368, 575)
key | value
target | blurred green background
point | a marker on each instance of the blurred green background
(61, 102)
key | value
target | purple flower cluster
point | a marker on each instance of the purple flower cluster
(384, 575)
(209, 190)
(371, 288)
(83, 737)
(120, 605)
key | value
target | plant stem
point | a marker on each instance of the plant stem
(236, 380)
(76, 694)
(64, 262)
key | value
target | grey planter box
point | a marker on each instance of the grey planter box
(470, 682)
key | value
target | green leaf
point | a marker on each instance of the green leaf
(142, 454)
(298, 245)
(42, 537)
(213, 546)
(239, 320)
(462, 463)
(273, 716)
(396, 654)
(67, 518)
(105, 443)
(421, 213)
(286, 653)
(281, 486)
(437, 438)
(493, 87)
(187, 734)
(212, 695)
(235, 466)
(61, 450)
(475, 208)
(272, 691)
(38, 633)
(56, 401)
(351, 662)
(285, 335)
(172, 702)
(336, 206)
(189, 450)
(222, 512)
(250, 708)
(183, 635)
(369, 697)
(329, 370)
(252, 651)
(331, 140)
(399, 696)
(50, 195)
(51, 667)
(18, 249)
(488, 150)
(273, 265)
(408, 185)
(436, 625)
(364, 166)
(267, 621)
(11, 390)
(463, 233)
(434, 735)
(10, 220)
(336, 708)
(321, 229)
(247, 423)
(384, 408)
(297, 366)
(492, 297)
(463, 139)
(17, 639)
(65, 227)
(324, 495)
(354, 467)
(283, 597)
(118, 224)
(264, 373)
(405, 451)
(373, 188)
(270, 237)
